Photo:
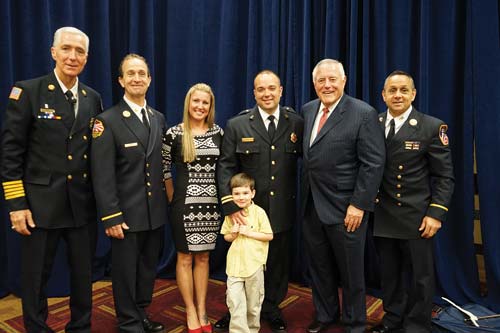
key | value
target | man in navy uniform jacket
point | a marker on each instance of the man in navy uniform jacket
(130, 194)
(413, 201)
(46, 179)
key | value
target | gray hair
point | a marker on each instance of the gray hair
(70, 30)
(328, 62)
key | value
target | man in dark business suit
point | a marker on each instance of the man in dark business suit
(130, 195)
(413, 201)
(45, 178)
(267, 149)
(344, 157)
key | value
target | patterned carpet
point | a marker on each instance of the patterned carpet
(167, 308)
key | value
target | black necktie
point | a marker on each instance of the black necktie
(391, 130)
(71, 99)
(271, 129)
(145, 119)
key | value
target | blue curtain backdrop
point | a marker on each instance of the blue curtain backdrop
(452, 48)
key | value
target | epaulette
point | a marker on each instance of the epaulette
(244, 112)
(289, 109)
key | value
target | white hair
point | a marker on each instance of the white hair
(328, 62)
(70, 30)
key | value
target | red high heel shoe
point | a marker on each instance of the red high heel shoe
(207, 328)
(195, 330)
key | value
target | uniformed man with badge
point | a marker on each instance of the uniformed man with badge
(45, 176)
(265, 142)
(412, 203)
(130, 194)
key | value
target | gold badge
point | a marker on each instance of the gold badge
(47, 110)
(251, 117)
(51, 87)
(293, 137)
(84, 93)
(247, 139)
(98, 129)
(381, 119)
(413, 122)
(126, 114)
(442, 134)
(15, 93)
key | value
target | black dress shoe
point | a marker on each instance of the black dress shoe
(384, 329)
(152, 326)
(277, 325)
(222, 324)
(317, 326)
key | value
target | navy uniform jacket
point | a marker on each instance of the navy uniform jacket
(418, 178)
(246, 147)
(344, 164)
(45, 153)
(127, 169)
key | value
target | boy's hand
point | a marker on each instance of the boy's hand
(244, 230)
(235, 229)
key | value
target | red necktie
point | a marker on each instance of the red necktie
(322, 120)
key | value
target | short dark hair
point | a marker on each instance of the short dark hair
(242, 180)
(131, 56)
(266, 71)
(400, 72)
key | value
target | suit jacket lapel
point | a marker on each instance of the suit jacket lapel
(258, 125)
(406, 131)
(283, 125)
(309, 116)
(134, 124)
(58, 102)
(332, 121)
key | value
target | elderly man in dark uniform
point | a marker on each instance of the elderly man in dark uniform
(412, 203)
(343, 164)
(130, 195)
(265, 142)
(45, 178)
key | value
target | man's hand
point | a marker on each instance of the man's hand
(353, 218)
(116, 231)
(430, 226)
(238, 218)
(20, 220)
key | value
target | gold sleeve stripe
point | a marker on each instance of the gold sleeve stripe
(227, 198)
(14, 191)
(13, 187)
(13, 182)
(13, 196)
(439, 206)
(111, 216)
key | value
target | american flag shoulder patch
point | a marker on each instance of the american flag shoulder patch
(98, 129)
(15, 93)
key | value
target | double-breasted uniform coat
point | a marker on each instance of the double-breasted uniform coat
(45, 167)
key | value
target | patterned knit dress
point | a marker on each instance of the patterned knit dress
(195, 214)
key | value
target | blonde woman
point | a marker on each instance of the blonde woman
(192, 149)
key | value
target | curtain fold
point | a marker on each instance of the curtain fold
(450, 47)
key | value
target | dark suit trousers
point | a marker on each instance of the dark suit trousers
(407, 275)
(37, 258)
(276, 275)
(336, 258)
(133, 274)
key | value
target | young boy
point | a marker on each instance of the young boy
(246, 257)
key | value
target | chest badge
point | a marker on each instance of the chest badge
(293, 137)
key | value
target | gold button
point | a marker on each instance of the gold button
(85, 137)
(273, 162)
(70, 137)
(272, 177)
(69, 177)
(399, 204)
(84, 175)
(150, 194)
(70, 157)
(273, 147)
(84, 156)
(147, 174)
(398, 195)
(377, 200)
(148, 183)
(295, 151)
(400, 167)
(398, 185)
(399, 177)
(147, 165)
(247, 151)
(271, 193)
